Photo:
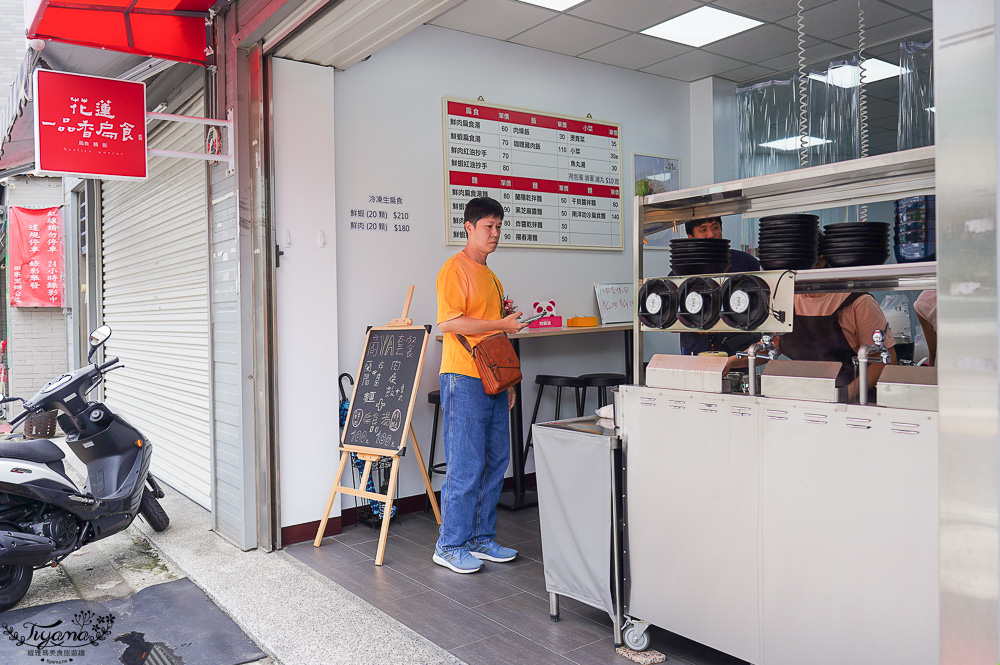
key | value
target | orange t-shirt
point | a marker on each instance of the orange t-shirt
(858, 321)
(465, 288)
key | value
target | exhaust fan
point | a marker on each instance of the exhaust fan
(698, 303)
(746, 302)
(658, 303)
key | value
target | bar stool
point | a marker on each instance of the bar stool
(602, 381)
(434, 397)
(559, 382)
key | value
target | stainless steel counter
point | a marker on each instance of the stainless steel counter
(780, 531)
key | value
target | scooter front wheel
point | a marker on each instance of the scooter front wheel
(14, 583)
(152, 511)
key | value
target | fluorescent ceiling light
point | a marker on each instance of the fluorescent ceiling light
(558, 5)
(848, 76)
(701, 26)
(793, 143)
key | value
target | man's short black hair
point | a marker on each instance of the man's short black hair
(481, 208)
(690, 226)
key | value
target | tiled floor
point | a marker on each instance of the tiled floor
(499, 616)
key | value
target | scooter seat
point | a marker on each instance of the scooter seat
(42, 451)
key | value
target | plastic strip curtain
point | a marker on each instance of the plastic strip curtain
(915, 128)
(769, 136)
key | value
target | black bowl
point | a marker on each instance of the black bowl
(848, 259)
(798, 263)
(798, 216)
(700, 268)
(868, 226)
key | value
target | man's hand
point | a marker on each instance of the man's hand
(510, 324)
(510, 398)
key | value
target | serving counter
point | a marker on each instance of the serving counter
(781, 531)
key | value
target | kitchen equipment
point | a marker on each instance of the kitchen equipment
(908, 387)
(802, 380)
(699, 373)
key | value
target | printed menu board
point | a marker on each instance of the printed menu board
(558, 177)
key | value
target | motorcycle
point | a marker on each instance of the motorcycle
(44, 517)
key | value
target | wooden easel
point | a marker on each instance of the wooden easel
(370, 455)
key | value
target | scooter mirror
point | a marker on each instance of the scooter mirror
(98, 337)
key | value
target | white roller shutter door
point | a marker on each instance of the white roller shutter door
(155, 298)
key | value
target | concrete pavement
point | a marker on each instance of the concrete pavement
(296, 615)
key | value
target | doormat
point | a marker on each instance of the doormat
(167, 624)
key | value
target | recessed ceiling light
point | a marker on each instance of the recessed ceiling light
(558, 5)
(701, 26)
(793, 143)
(848, 76)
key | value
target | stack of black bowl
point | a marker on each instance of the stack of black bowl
(855, 244)
(914, 233)
(699, 256)
(788, 242)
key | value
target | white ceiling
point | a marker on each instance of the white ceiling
(608, 31)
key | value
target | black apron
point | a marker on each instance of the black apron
(822, 338)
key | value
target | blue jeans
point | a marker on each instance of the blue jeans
(477, 450)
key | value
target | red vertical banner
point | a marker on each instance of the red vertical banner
(35, 258)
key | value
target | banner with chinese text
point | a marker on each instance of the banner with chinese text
(89, 126)
(35, 258)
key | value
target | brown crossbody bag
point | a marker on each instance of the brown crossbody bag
(498, 365)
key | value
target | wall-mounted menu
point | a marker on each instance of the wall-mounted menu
(558, 177)
(385, 388)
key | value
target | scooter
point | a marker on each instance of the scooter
(44, 517)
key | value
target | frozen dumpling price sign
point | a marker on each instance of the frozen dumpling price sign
(89, 126)
(35, 258)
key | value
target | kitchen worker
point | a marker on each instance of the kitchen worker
(832, 327)
(476, 425)
(693, 343)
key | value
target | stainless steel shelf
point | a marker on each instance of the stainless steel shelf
(880, 178)
(891, 277)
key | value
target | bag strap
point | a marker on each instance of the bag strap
(465, 343)
(461, 338)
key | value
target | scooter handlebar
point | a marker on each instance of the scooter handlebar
(19, 418)
(113, 361)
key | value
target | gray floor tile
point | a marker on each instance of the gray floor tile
(508, 649)
(441, 620)
(529, 616)
(400, 554)
(469, 590)
(594, 614)
(509, 534)
(530, 577)
(597, 653)
(531, 548)
(330, 554)
(516, 517)
(373, 583)
(421, 531)
(358, 533)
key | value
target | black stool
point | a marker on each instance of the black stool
(559, 382)
(601, 381)
(434, 397)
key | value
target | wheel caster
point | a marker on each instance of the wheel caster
(636, 635)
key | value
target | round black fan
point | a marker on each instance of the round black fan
(658, 303)
(746, 300)
(698, 303)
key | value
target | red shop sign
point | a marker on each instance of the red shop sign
(89, 126)
(35, 258)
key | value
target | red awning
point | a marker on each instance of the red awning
(168, 29)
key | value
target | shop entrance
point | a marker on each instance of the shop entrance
(305, 292)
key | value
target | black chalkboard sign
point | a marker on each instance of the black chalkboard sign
(385, 389)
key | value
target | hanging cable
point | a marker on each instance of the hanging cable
(803, 108)
(862, 98)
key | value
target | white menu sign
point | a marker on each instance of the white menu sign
(557, 177)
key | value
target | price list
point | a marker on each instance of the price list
(558, 178)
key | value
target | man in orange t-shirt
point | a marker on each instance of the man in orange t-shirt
(476, 425)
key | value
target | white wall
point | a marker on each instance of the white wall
(389, 142)
(305, 287)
